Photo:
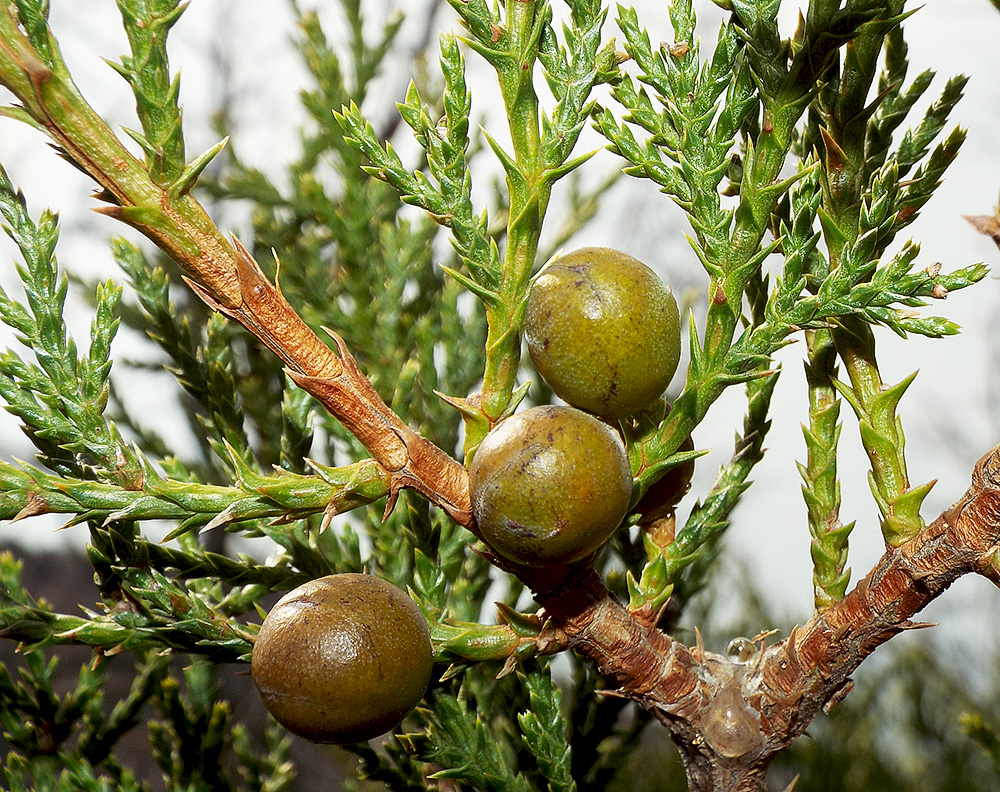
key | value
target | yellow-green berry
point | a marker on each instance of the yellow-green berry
(603, 331)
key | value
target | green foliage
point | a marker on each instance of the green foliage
(462, 743)
(792, 165)
(147, 72)
(60, 398)
(67, 741)
(544, 728)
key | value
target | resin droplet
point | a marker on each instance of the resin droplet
(731, 728)
(742, 651)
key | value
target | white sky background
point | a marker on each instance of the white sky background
(947, 415)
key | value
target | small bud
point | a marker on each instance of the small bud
(734, 173)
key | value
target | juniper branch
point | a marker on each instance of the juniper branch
(60, 400)
(132, 627)
(222, 273)
(28, 491)
(156, 93)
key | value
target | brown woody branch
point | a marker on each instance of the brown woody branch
(813, 665)
(730, 719)
(335, 380)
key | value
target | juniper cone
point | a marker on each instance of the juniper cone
(345, 367)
